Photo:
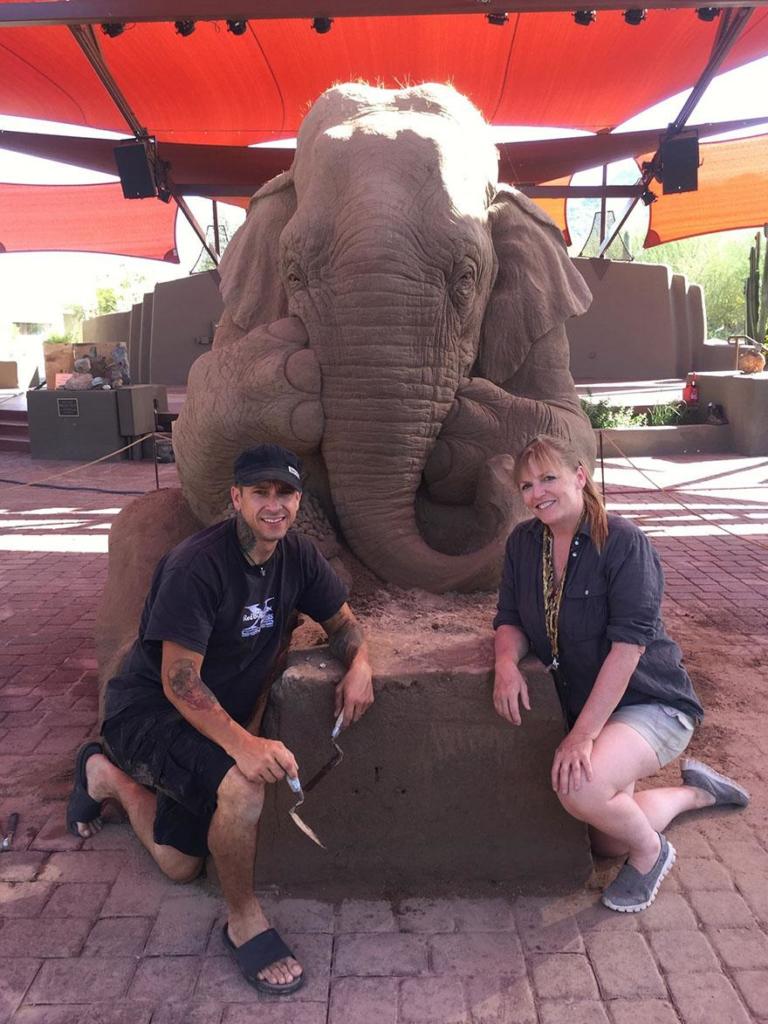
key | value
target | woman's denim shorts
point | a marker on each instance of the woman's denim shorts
(667, 730)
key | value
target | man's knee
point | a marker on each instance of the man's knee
(181, 868)
(239, 794)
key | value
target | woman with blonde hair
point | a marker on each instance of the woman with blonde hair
(582, 590)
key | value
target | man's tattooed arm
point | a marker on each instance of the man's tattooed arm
(345, 636)
(186, 686)
(346, 641)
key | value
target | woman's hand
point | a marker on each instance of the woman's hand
(509, 689)
(572, 763)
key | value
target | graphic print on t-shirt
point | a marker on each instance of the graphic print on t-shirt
(257, 617)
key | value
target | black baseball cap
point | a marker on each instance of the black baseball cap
(268, 462)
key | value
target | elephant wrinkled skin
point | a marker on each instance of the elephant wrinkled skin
(420, 336)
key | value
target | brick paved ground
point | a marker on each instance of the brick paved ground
(91, 932)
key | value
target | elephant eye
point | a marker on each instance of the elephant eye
(293, 276)
(464, 285)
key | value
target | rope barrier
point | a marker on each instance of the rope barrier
(657, 488)
(85, 465)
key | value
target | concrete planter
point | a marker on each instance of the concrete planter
(744, 397)
(688, 439)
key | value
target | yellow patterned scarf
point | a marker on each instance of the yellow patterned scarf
(553, 592)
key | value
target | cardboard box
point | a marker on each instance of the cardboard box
(58, 359)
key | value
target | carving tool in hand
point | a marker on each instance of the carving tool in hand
(7, 841)
(320, 774)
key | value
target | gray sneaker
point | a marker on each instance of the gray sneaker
(630, 891)
(723, 789)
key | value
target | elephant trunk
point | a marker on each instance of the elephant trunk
(375, 460)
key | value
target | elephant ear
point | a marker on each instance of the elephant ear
(250, 268)
(537, 287)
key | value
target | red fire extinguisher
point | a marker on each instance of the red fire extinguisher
(691, 390)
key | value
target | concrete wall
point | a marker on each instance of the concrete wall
(183, 322)
(134, 343)
(645, 323)
(145, 337)
(435, 791)
(686, 439)
(110, 328)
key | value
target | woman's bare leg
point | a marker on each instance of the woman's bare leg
(660, 806)
(620, 757)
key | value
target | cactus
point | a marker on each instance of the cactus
(756, 292)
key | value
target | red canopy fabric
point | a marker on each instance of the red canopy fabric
(213, 87)
(85, 218)
(239, 171)
(732, 193)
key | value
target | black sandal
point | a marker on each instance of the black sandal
(81, 806)
(259, 952)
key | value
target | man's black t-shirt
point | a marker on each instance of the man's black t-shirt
(206, 596)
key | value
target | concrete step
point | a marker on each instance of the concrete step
(11, 443)
(13, 428)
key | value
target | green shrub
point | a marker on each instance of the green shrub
(602, 415)
(669, 415)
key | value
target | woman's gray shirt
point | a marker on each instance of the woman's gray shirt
(613, 596)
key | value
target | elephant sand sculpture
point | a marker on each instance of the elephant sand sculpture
(395, 316)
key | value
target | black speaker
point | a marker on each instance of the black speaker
(680, 163)
(136, 177)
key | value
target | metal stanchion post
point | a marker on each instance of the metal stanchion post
(154, 447)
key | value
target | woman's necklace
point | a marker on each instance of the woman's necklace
(553, 592)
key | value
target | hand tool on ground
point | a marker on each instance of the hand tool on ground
(7, 840)
(301, 792)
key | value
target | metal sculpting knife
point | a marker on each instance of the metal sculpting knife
(296, 786)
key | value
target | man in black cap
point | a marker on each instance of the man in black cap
(219, 613)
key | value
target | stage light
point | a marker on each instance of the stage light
(237, 28)
(584, 17)
(635, 15)
(498, 18)
(322, 25)
(648, 197)
(113, 29)
(707, 13)
(185, 28)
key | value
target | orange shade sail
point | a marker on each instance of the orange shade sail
(215, 88)
(555, 208)
(732, 193)
(85, 218)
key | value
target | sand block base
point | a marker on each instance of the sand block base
(435, 793)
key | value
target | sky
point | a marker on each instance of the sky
(32, 284)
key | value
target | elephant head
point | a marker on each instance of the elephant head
(408, 266)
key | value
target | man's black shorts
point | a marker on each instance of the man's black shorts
(161, 750)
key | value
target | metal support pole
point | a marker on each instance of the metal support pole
(602, 466)
(216, 238)
(731, 26)
(603, 207)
